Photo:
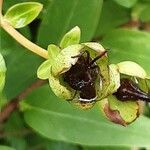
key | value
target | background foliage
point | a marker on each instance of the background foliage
(44, 122)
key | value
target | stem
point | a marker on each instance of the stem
(13, 104)
(1, 4)
(20, 38)
(23, 41)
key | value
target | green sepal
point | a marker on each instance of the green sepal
(96, 49)
(143, 84)
(22, 14)
(119, 112)
(128, 110)
(44, 70)
(65, 59)
(71, 38)
(104, 77)
(132, 69)
(111, 81)
(59, 88)
(53, 51)
(114, 81)
(114, 78)
(94, 46)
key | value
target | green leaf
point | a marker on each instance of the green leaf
(58, 120)
(129, 45)
(2, 147)
(55, 24)
(2, 72)
(126, 3)
(112, 16)
(70, 38)
(22, 14)
(43, 71)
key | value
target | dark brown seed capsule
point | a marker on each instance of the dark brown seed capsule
(82, 76)
(129, 90)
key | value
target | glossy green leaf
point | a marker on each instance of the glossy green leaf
(126, 3)
(2, 72)
(129, 45)
(22, 14)
(55, 24)
(2, 147)
(70, 38)
(112, 16)
(58, 120)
